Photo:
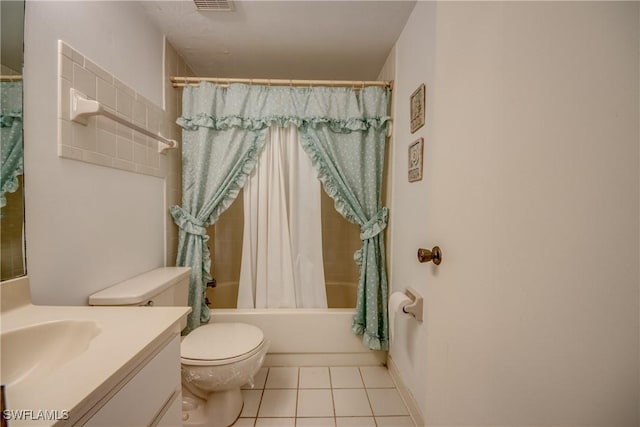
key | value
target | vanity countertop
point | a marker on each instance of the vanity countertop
(127, 336)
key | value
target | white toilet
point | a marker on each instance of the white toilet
(217, 358)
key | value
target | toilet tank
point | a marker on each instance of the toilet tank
(165, 286)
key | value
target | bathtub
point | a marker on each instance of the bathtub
(302, 337)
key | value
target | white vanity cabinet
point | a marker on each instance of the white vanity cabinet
(150, 395)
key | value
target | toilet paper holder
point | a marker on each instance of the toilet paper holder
(415, 307)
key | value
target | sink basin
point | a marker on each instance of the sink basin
(34, 351)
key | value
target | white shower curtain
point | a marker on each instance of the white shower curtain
(282, 242)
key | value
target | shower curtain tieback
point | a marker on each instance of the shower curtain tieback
(370, 229)
(188, 223)
(343, 131)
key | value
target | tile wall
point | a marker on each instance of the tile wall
(106, 143)
(102, 141)
(340, 239)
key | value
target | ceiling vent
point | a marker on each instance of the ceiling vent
(214, 5)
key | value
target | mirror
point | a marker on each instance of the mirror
(12, 259)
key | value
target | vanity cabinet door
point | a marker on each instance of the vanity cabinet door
(145, 398)
(172, 417)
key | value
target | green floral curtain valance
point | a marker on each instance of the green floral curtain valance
(257, 107)
(10, 138)
(341, 129)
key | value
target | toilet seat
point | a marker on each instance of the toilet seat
(220, 344)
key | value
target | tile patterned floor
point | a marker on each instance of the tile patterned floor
(323, 397)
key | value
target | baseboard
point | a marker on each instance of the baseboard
(369, 358)
(409, 401)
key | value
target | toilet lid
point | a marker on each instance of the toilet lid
(217, 341)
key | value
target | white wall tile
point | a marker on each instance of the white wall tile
(123, 87)
(69, 152)
(139, 113)
(153, 157)
(98, 71)
(66, 67)
(124, 131)
(64, 49)
(124, 165)
(124, 149)
(124, 103)
(106, 94)
(139, 154)
(145, 170)
(64, 132)
(83, 137)
(64, 86)
(154, 116)
(106, 143)
(140, 139)
(77, 58)
(107, 124)
(96, 158)
(84, 81)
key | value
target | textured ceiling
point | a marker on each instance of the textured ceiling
(284, 39)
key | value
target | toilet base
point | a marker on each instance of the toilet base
(221, 409)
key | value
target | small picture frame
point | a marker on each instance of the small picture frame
(415, 160)
(417, 108)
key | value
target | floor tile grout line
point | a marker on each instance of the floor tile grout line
(367, 394)
(335, 416)
(264, 387)
(297, 396)
(333, 402)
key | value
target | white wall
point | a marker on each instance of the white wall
(531, 188)
(87, 226)
(388, 73)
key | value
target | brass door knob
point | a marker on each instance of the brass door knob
(426, 255)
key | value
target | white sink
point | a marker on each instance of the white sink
(34, 351)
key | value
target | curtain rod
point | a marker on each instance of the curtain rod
(184, 81)
(10, 78)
